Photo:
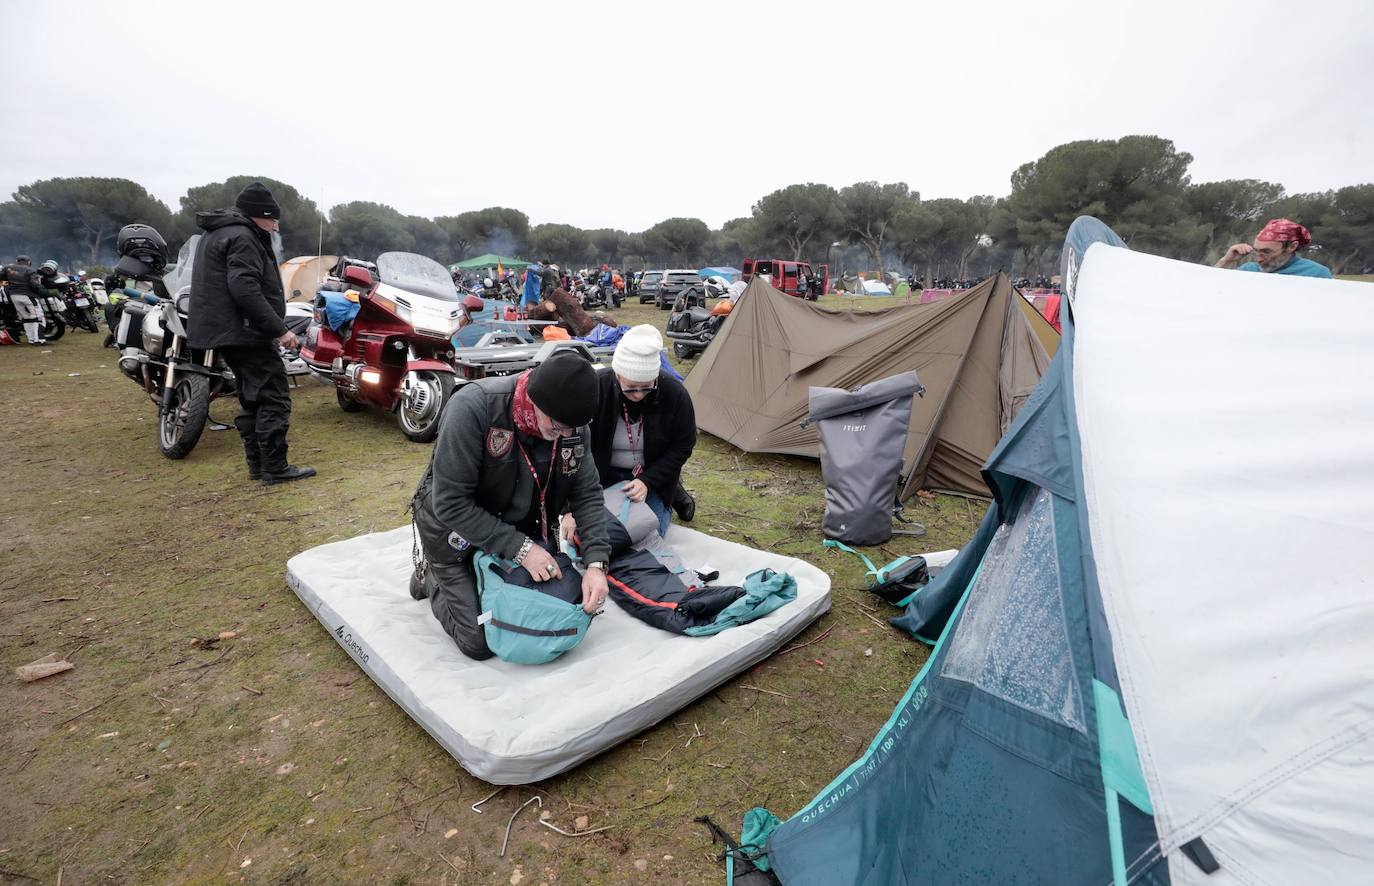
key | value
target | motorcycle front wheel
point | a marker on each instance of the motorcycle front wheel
(418, 416)
(683, 352)
(181, 423)
(92, 319)
(54, 329)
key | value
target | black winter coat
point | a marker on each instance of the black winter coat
(237, 296)
(670, 431)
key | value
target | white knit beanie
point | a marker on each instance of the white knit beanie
(636, 357)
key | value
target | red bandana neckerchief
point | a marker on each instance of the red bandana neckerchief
(522, 407)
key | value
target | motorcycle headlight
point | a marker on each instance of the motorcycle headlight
(437, 322)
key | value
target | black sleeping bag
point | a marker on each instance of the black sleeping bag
(568, 588)
(652, 593)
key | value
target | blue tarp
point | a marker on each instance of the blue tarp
(338, 310)
(730, 274)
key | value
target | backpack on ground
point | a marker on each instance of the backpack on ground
(897, 582)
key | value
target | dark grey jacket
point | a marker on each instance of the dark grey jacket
(481, 486)
(236, 290)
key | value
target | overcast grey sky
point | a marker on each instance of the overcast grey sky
(621, 114)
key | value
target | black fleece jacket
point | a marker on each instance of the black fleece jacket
(670, 431)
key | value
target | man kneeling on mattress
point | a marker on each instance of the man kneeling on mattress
(510, 457)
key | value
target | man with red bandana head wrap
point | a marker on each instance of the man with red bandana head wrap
(1276, 251)
(511, 456)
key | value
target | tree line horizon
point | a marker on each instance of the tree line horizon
(1138, 184)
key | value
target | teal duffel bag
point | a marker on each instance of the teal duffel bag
(525, 622)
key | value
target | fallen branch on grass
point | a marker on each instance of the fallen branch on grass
(823, 635)
(87, 711)
(553, 827)
(766, 691)
(408, 806)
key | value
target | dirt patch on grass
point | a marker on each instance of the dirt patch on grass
(268, 756)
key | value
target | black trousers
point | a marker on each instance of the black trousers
(265, 404)
(450, 579)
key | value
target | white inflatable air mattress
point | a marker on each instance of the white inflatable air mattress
(515, 724)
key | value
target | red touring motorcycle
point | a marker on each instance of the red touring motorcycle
(396, 353)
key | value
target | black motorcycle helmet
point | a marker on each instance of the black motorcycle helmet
(143, 243)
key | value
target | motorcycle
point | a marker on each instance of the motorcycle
(151, 337)
(590, 295)
(394, 353)
(53, 309)
(691, 326)
(78, 310)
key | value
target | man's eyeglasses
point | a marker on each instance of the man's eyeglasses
(647, 389)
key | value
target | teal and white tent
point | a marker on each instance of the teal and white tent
(1154, 663)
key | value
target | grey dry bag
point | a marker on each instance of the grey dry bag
(863, 433)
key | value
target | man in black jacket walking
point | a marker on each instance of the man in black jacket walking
(237, 306)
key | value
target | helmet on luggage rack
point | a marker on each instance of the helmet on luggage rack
(143, 243)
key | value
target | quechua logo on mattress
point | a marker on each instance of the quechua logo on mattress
(345, 638)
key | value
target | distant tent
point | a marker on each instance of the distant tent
(1148, 670)
(1045, 331)
(978, 355)
(490, 260)
(876, 287)
(730, 274)
(1048, 306)
(304, 274)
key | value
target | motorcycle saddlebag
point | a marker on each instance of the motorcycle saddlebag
(130, 331)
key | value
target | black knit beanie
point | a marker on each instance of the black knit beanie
(255, 201)
(564, 387)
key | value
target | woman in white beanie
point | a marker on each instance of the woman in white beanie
(645, 427)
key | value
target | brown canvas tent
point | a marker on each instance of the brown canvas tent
(977, 353)
(304, 273)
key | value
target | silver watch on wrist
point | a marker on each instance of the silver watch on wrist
(525, 547)
(597, 564)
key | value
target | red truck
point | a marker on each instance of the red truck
(792, 277)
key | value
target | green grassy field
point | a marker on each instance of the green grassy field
(170, 755)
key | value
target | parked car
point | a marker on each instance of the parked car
(671, 286)
(792, 277)
(648, 286)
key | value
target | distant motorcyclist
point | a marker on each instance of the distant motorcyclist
(24, 286)
(237, 307)
(550, 279)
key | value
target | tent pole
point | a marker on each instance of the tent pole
(1114, 838)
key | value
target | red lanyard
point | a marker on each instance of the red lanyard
(634, 439)
(543, 488)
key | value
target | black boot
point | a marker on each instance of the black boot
(286, 474)
(684, 504)
(275, 468)
(253, 456)
(418, 589)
